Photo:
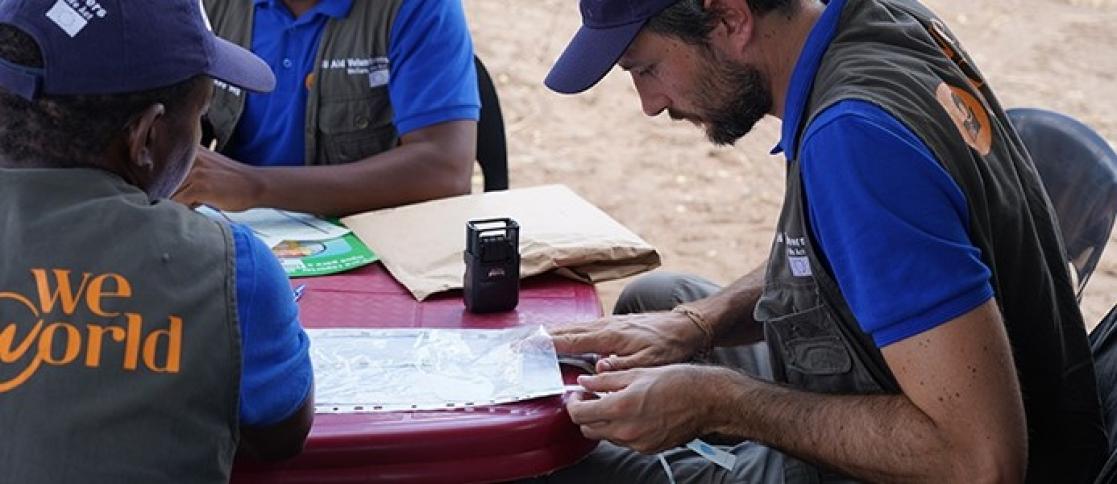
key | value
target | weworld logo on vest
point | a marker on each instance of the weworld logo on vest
(56, 330)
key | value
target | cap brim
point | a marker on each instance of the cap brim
(589, 56)
(236, 65)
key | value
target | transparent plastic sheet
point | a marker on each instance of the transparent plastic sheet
(385, 370)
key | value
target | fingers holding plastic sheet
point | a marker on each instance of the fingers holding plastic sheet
(647, 410)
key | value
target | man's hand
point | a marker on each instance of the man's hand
(633, 340)
(960, 417)
(221, 182)
(649, 409)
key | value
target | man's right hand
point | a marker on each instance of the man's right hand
(632, 340)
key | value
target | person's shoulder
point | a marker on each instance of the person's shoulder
(411, 11)
(436, 4)
(254, 259)
(260, 276)
(854, 121)
(853, 113)
(169, 219)
(242, 236)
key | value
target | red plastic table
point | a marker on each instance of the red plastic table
(483, 444)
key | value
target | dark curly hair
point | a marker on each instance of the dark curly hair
(67, 131)
(691, 22)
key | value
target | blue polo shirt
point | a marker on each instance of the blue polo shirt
(890, 222)
(276, 374)
(432, 78)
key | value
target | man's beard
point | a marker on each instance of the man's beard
(730, 98)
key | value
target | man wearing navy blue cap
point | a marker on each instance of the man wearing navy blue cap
(139, 341)
(916, 305)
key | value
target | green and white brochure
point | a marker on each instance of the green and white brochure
(304, 244)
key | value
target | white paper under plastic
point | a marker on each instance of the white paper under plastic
(383, 370)
(275, 226)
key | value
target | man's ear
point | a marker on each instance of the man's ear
(735, 24)
(141, 137)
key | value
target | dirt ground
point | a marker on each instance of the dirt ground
(712, 210)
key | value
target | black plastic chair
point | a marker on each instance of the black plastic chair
(492, 148)
(1079, 171)
(1103, 345)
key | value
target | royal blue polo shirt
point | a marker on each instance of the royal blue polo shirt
(432, 77)
(890, 222)
(276, 374)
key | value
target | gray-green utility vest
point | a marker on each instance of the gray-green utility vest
(897, 55)
(119, 348)
(348, 112)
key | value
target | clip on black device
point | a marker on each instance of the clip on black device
(492, 265)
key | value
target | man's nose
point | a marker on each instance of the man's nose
(653, 102)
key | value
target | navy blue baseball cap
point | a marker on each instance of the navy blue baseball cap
(608, 28)
(119, 46)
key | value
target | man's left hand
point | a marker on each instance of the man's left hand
(220, 182)
(649, 409)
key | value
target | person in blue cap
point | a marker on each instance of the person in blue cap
(139, 341)
(916, 310)
(376, 106)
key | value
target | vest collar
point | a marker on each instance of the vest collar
(802, 78)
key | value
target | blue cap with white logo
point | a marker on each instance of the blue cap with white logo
(120, 46)
(608, 27)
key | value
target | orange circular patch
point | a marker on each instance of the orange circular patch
(969, 116)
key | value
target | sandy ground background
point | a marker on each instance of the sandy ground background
(711, 210)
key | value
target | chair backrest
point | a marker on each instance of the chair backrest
(492, 148)
(1103, 346)
(1079, 171)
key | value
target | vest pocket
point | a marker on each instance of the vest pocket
(809, 352)
(810, 344)
(353, 129)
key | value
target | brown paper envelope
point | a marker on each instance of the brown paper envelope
(422, 244)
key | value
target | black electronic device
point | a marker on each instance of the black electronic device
(492, 265)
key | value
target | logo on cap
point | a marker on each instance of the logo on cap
(73, 15)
